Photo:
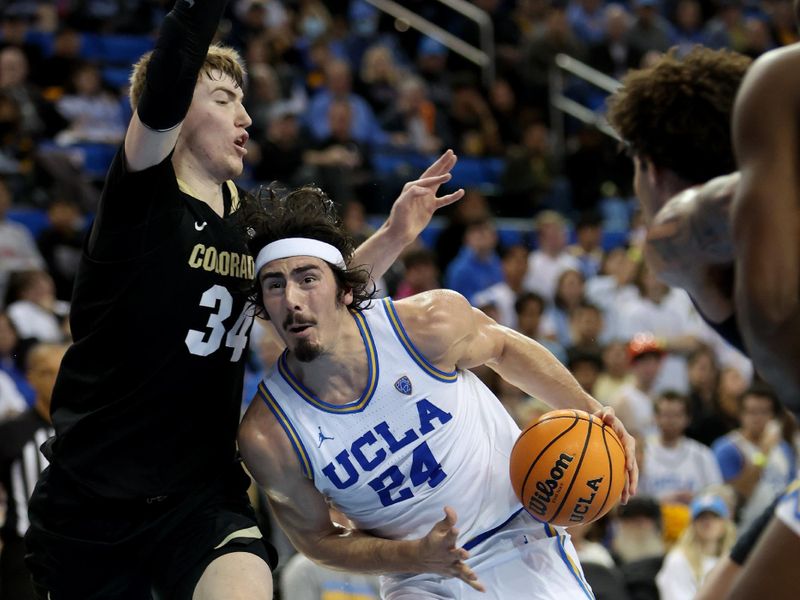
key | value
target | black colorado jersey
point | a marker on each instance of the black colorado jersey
(147, 401)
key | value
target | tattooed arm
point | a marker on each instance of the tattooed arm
(689, 245)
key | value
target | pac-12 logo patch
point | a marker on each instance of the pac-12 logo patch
(403, 385)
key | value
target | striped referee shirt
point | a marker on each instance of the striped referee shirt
(21, 462)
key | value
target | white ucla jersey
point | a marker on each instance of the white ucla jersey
(416, 440)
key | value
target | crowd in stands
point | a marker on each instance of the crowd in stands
(545, 241)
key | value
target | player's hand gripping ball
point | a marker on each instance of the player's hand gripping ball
(567, 468)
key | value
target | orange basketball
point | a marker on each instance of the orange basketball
(568, 468)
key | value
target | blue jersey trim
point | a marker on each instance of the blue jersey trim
(571, 567)
(416, 355)
(481, 537)
(291, 433)
(373, 372)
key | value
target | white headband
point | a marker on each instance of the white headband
(289, 247)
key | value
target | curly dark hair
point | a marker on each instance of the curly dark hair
(273, 214)
(678, 112)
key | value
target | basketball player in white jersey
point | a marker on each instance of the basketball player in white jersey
(372, 410)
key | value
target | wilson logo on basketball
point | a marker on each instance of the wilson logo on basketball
(545, 490)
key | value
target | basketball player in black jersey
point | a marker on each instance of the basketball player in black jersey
(744, 222)
(144, 495)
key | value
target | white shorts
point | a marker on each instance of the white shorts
(788, 509)
(524, 560)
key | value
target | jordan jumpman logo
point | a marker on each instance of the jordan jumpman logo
(322, 438)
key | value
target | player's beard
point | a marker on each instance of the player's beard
(306, 350)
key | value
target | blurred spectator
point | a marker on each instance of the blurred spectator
(568, 296)
(676, 468)
(514, 260)
(20, 465)
(529, 308)
(587, 18)
(551, 37)
(726, 28)
(264, 98)
(254, 18)
(472, 207)
(614, 285)
(758, 38)
(585, 365)
(724, 415)
(33, 308)
(615, 374)
(57, 68)
(432, 67)
(586, 326)
(93, 112)
(421, 274)
(758, 459)
(507, 112)
(634, 402)
(38, 118)
(312, 19)
(550, 259)
(638, 543)
(61, 244)
(16, 21)
(650, 31)
(380, 78)
(471, 121)
(12, 357)
(414, 121)
(689, 23)
(363, 125)
(703, 373)
(477, 266)
(667, 313)
(782, 22)
(530, 179)
(710, 536)
(342, 162)
(18, 250)
(614, 54)
(283, 149)
(588, 247)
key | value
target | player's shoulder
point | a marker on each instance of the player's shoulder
(434, 320)
(772, 71)
(431, 307)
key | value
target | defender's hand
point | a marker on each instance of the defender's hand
(413, 209)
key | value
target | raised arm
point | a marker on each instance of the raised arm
(171, 76)
(452, 334)
(410, 214)
(305, 517)
(766, 223)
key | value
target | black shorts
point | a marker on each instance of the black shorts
(83, 547)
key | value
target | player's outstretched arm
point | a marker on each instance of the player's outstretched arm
(305, 517)
(452, 334)
(690, 245)
(180, 51)
(766, 216)
(410, 214)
